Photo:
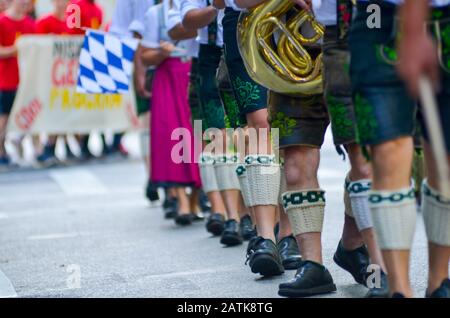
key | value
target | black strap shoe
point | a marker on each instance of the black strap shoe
(263, 257)
(382, 291)
(231, 235)
(442, 292)
(311, 279)
(289, 253)
(215, 224)
(247, 230)
(170, 207)
(184, 219)
(151, 192)
(355, 262)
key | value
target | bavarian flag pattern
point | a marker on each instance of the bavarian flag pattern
(106, 64)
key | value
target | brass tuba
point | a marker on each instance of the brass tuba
(287, 66)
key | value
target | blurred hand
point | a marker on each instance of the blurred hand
(418, 57)
(304, 4)
(140, 86)
(166, 48)
(219, 4)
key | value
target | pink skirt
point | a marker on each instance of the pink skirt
(172, 161)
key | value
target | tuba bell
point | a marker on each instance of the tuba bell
(290, 65)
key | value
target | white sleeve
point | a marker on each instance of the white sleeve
(137, 25)
(188, 5)
(174, 15)
(150, 36)
(122, 17)
(232, 4)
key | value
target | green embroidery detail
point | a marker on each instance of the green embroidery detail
(437, 14)
(284, 124)
(232, 111)
(248, 93)
(446, 47)
(366, 123)
(342, 125)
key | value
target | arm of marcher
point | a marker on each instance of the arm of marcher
(7, 51)
(195, 15)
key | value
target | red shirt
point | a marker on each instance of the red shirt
(52, 25)
(91, 15)
(10, 30)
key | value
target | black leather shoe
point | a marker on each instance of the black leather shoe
(442, 292)
(311, 279)
(263, 257)
(170, 207)
(231, 235)
(289, 253)
(247, 230)
(355, 262)
(383, 291)
(184, 219)
(215, 224)
(151, 192)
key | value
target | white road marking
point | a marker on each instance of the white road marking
(52, 236)
(78, 181)
(194, 272)
(6, 288)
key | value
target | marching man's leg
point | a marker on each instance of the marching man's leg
(385, 116)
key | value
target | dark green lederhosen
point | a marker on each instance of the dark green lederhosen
(302, 121)
(213, 111)
(232, 116)
(250, 96)
(384, 110)
(337, 87)
(194, 101)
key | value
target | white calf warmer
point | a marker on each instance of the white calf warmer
(241, 173)
(283, 184)
(144, 139)
(225, 169)
(347, 203)
(394, 216)
(359, 200)
(436, 216)
(207, 173)
(263, 175)
(305, 209)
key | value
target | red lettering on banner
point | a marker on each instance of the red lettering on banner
(64, 72)
(27, 115)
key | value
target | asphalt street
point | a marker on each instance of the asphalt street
(88, 231)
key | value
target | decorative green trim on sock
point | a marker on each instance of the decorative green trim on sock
(430, 192)
(240, 170)
(260, 159)
(302, 197)
(358, 186)
(377, 197)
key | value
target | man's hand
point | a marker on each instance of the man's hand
(219, 4)
(304, 4)
(417, 52)
(418, 57)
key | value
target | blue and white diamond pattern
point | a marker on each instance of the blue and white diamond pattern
(106, 64)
